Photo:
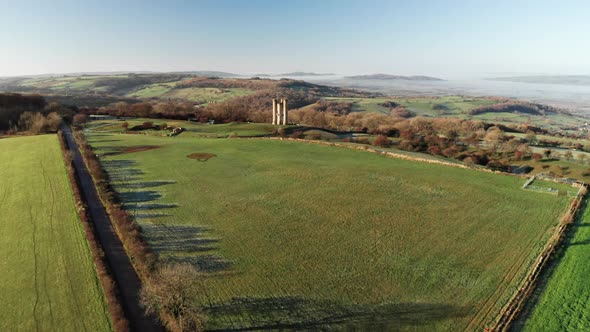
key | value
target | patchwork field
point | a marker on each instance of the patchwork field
(294, 235)
(457, 106)
(199, 95)
(48, 281)
(453, 105)
(565, 302)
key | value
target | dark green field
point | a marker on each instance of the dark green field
(295, 235)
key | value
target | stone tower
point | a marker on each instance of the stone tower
(279, 112)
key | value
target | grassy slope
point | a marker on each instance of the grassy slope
(402, 244)
(457, 106)
(48, 281)
(561, 168)
(565, 302)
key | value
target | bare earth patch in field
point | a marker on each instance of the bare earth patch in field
(201, 156)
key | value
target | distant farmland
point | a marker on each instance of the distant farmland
(48, 281)
(302, 236)
(459, 107)
(202, 95)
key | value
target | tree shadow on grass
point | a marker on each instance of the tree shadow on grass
(150, 215)
(121, 171)
(139, 196)
(185, 244)
(143, 185)
(580, 243)
(296, 313)
(151, 206)
(103, 140)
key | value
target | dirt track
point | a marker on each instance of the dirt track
(123, 272)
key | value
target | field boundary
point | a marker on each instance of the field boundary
(109, 286)
(530, 185)
(388, 154)
(120, 262)
(509, 313)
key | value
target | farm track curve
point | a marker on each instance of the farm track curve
(126, 277)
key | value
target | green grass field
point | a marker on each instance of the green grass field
(565, 302)
(303, 236)
(48, 281)
(555, 186)
(193, 129)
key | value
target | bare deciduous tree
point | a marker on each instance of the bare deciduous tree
(175, 289)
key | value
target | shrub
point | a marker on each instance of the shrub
(297, 134)
(468, 162)
(80, 119)
(314, 136)
(362, 140)
(282, 132)
(382, 141)
(172, 289)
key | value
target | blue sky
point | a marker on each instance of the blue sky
(441, 38)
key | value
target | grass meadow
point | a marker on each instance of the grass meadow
(48, 281)
(564, 304)
(294, 235)
(193, 129)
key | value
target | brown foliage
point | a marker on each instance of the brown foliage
(382, 141)
(36, 123)
(172, 290)
(340, 108)
(80, 119)
(517, 107)
(12, 105)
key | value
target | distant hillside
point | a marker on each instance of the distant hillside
(518, 107)
(96, 91)
(258, 84)
(302, 73)
(548, 79)
(394, 77)
(210, 73)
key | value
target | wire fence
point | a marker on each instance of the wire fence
(529, 185)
